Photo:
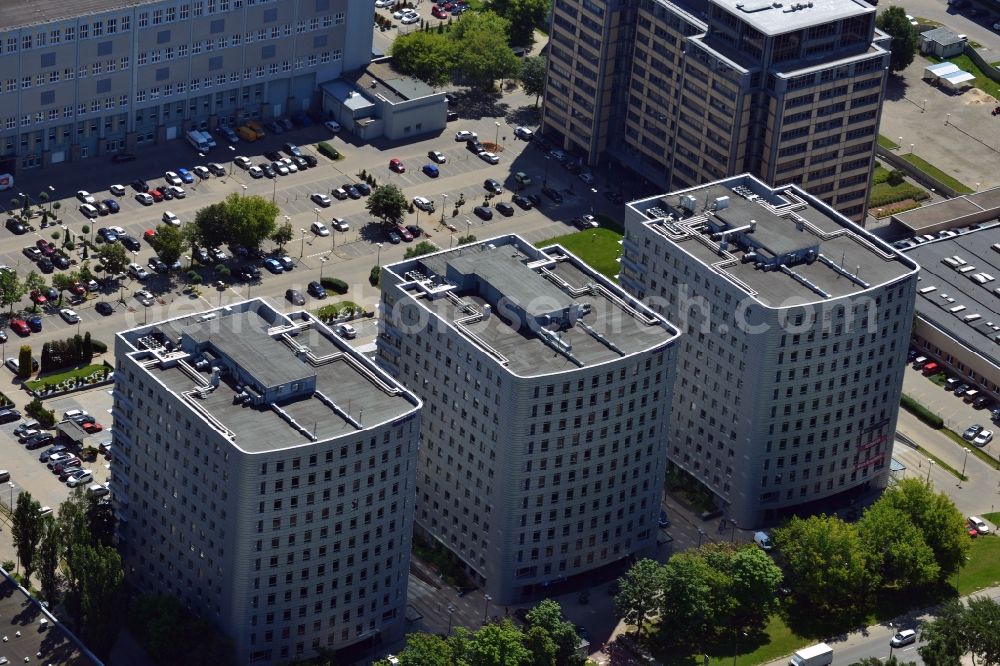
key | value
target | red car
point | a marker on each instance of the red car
(157, 195)
(396, 165)
(91, 428)
(47, 248)
(77, 288)
(439, 13)
(20, 327)
(404, 233)
(39, 297)
(149, 235)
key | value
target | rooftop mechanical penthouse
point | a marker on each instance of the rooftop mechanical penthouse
(796, 322)
(543, 438)
(263, 475)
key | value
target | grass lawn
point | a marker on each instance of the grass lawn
(887, 143)
(598, 247)
(933, 171)
(781, 641)
(82, 371)
(983, 568)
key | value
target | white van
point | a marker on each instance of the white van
(763, 540)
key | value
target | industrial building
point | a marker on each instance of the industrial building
(795, 326)
(546, 390)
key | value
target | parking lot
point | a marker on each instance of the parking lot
(28, 473)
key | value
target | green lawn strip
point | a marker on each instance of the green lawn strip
(74, 373)
(781, 641)
(933, 171)
(884, 194)
(942, 464)
(973, 449)
(887, 143)
(599, 248)
(982, 570)
(880, 175)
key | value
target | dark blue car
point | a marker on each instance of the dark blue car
(185, 175)
(431, 170)
(35, 322)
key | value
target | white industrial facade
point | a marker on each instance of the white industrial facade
(263, 475)
(795, 323)
(542, 454)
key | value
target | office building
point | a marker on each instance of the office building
(542, 452)
(689, 91)
(796, 325)
(958, 305)
(263, 475)
(87, 77)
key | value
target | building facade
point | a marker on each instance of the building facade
(688, 91)
(542, 454)
(86, 77)
(796, 325)
(263, 474)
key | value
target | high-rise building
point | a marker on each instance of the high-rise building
(263, 474)
(85, 77)
(796, 325)
(546, 390)
(689, 91)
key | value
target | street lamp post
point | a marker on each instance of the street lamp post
(52, 191)
(890, 642)
(378, 255)
(444, 204)
(232, 162)
(496, 141)
(274, 188)
(302, 244)
(732, 538)
(964, 461)
(701, 533)
(593, 196)
(486, 607)
(451, 616)
(11, 485)
(468, 227)
(317, 211)
(736, 645)
(930, 463)
(244, 193)
(322, 264)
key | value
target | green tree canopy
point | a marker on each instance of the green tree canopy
(425, 650)
(282, 235)
(114, 258)
(498, 645)
(548, 616)
(428, 56)
(34, 281)
(905, 38)
(897, 550)
(942, 642)
(695, 599)
(524, 16)
(420, 249)
(533, 76)
(754, 580)
(26, 530)
(170, 243)
(100, 588)
(237, 220)
(49, 549)
(388, 203)
(12, 289)
(484, 55)
(639, 592)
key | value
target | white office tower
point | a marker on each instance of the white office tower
(545, 385)
(263, 474)
(796, 325)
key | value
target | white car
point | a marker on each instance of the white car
(340, 224)
(321, 199)
(320, 229)
(137, 271)
(523, 133)
(178, 191)
(145, 198)
(118, 231)
(70, 316)
(279, 168)
(346, 331)
(983, 438)
(117, 190)
(202, 172)
(172, 178)
(487, 156)
(256, 172)
(292, 167)
(437, 156)
(465, 135)
(243, 162)
(382, 4)
(333, 125)
(410, 19)
(144, 297)
(171, 219)
(978, 524)
(85, 197)
(80, 478)
(424, 204)
(88, 211)
(400, 13)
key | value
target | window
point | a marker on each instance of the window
(141, 60)
(143, 19)
(98, 28)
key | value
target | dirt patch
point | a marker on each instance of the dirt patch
(893, 208)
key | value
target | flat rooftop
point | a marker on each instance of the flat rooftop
(951, 212)
(52, 644)
(536, 312)
(778, 245)
(776, 17)
(958, 294)
(381, 79)
(284, 381)
(18, 13)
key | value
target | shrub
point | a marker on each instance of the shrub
(921, 412)
(99, 347)
(24, 362)
(335, 285)
(895, 177)
(194, 277)
(375, 276)
(328, 150)
(36, 410)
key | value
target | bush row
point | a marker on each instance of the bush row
(921, 412)
(335, 285)
(328, 150)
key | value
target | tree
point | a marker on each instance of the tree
(428, 56)
(33, 281)
(694, 601)
(84, 273)
(425, 650)
(524, 17)
(533, 76)
(464, 240)
(894, 22)
(49, 550)
(980, 620)
(171, 243)
(26, 531)
(171, 634)
(826, 566)
(547, 615)
(387, 203)
(24, 367)
(639, 593)
(938, 519)
(876, 661)
(754, 580)
(113, 258)
(541, 646)
(420, 249)
(12, 289)
(941, 637)
(62, 282)
(237, 220)
(498, 645)
(483, 55)
(100, 588)
(282, 235)
(896, 547)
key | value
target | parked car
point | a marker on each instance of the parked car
(505, 209)
(522, 201)
(424, 204)
(69, 316)
(904, 637)
(971, 432)
(431, 170)
(483, 212)
(273, 265)
(346, 331)
(295, 297)
(396, 164)
(437, 156)
(493, 186)
(319, 229)
(321, 199)
(465, 135)
(104, 308)
(316, 290)
(983, 438)
(552, 193)
(978, 524)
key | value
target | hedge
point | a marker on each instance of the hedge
(36, 410)
(334, 285)
(328, 150)
(921, 412)
(99, 347)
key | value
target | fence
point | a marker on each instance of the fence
(981, 62)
